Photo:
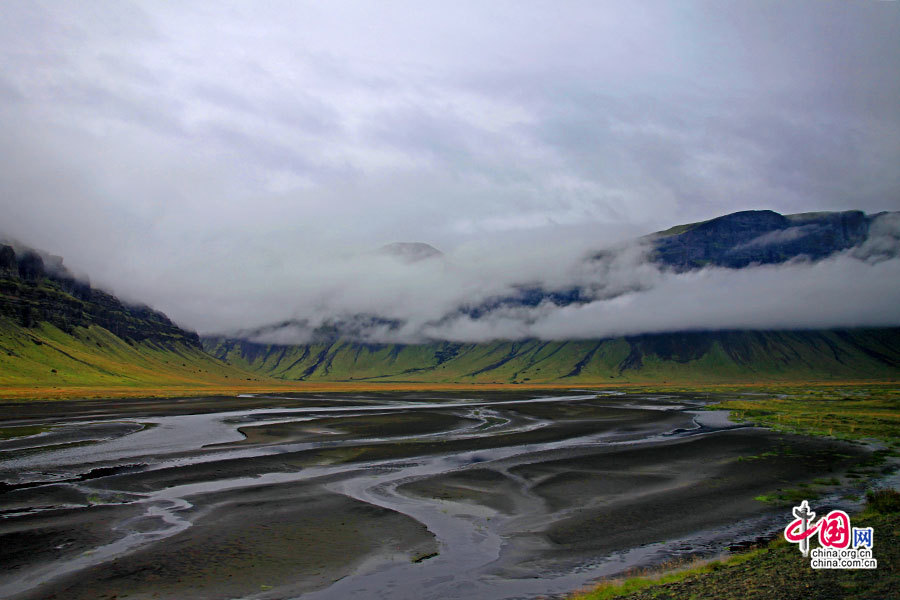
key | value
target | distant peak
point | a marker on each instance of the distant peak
(410, 251)
(757, 237)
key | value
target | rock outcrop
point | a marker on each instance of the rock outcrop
(36, 287)
(759, 237)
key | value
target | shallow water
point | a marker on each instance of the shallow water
(502, 539)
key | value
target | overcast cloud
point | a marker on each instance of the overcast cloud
(235, 164)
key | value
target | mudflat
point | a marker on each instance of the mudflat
(278, 539)
(424, 495)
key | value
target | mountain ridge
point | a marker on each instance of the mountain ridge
(58, 332)
(664, 357)
(33, 291)
(734, 241)
(743, 238)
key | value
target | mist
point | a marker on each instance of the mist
(238, 166)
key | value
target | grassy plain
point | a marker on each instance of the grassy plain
(264, 385)
(848, 412)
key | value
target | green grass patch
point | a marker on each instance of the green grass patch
(851, 414)
(883, 501)
(54, 361)
(790, 496)
(774, 571)
(671, 572)
(7, 433)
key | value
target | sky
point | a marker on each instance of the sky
(236, 163)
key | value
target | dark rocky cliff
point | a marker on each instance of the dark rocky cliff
(36, 287)
(759, 237)
(734, 241)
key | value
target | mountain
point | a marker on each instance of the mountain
(410, 252)
(667, 357)
(759, 237)
(734, 241)
(338, 350)
(59, 332)
(36, 287)
(61, 336)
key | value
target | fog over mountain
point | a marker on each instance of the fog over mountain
(625, 289)
(240, 165)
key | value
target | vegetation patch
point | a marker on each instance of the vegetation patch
(773, 572)
(883, 501)
(8, 433)
(871, 411)
(668, 573)
(848, 412)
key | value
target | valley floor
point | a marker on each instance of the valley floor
(47, 392)
(392, 495)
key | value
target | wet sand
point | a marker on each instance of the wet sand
(320, 497)
(613, 498)
(282, 540)
(360, 427)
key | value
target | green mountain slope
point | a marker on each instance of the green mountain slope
(60, 333)
(45, 356)
(684, 357)
(33, 290)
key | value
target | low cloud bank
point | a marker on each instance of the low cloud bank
(472, 295)
(506, 288)
(839, 292)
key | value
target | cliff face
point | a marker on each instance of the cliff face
(734, 241)
(759, 237)
(35, 288)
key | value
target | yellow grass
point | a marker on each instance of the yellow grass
(214, 388)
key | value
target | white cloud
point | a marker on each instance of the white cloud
(780, 236)
(221, 163)
(838, 292)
